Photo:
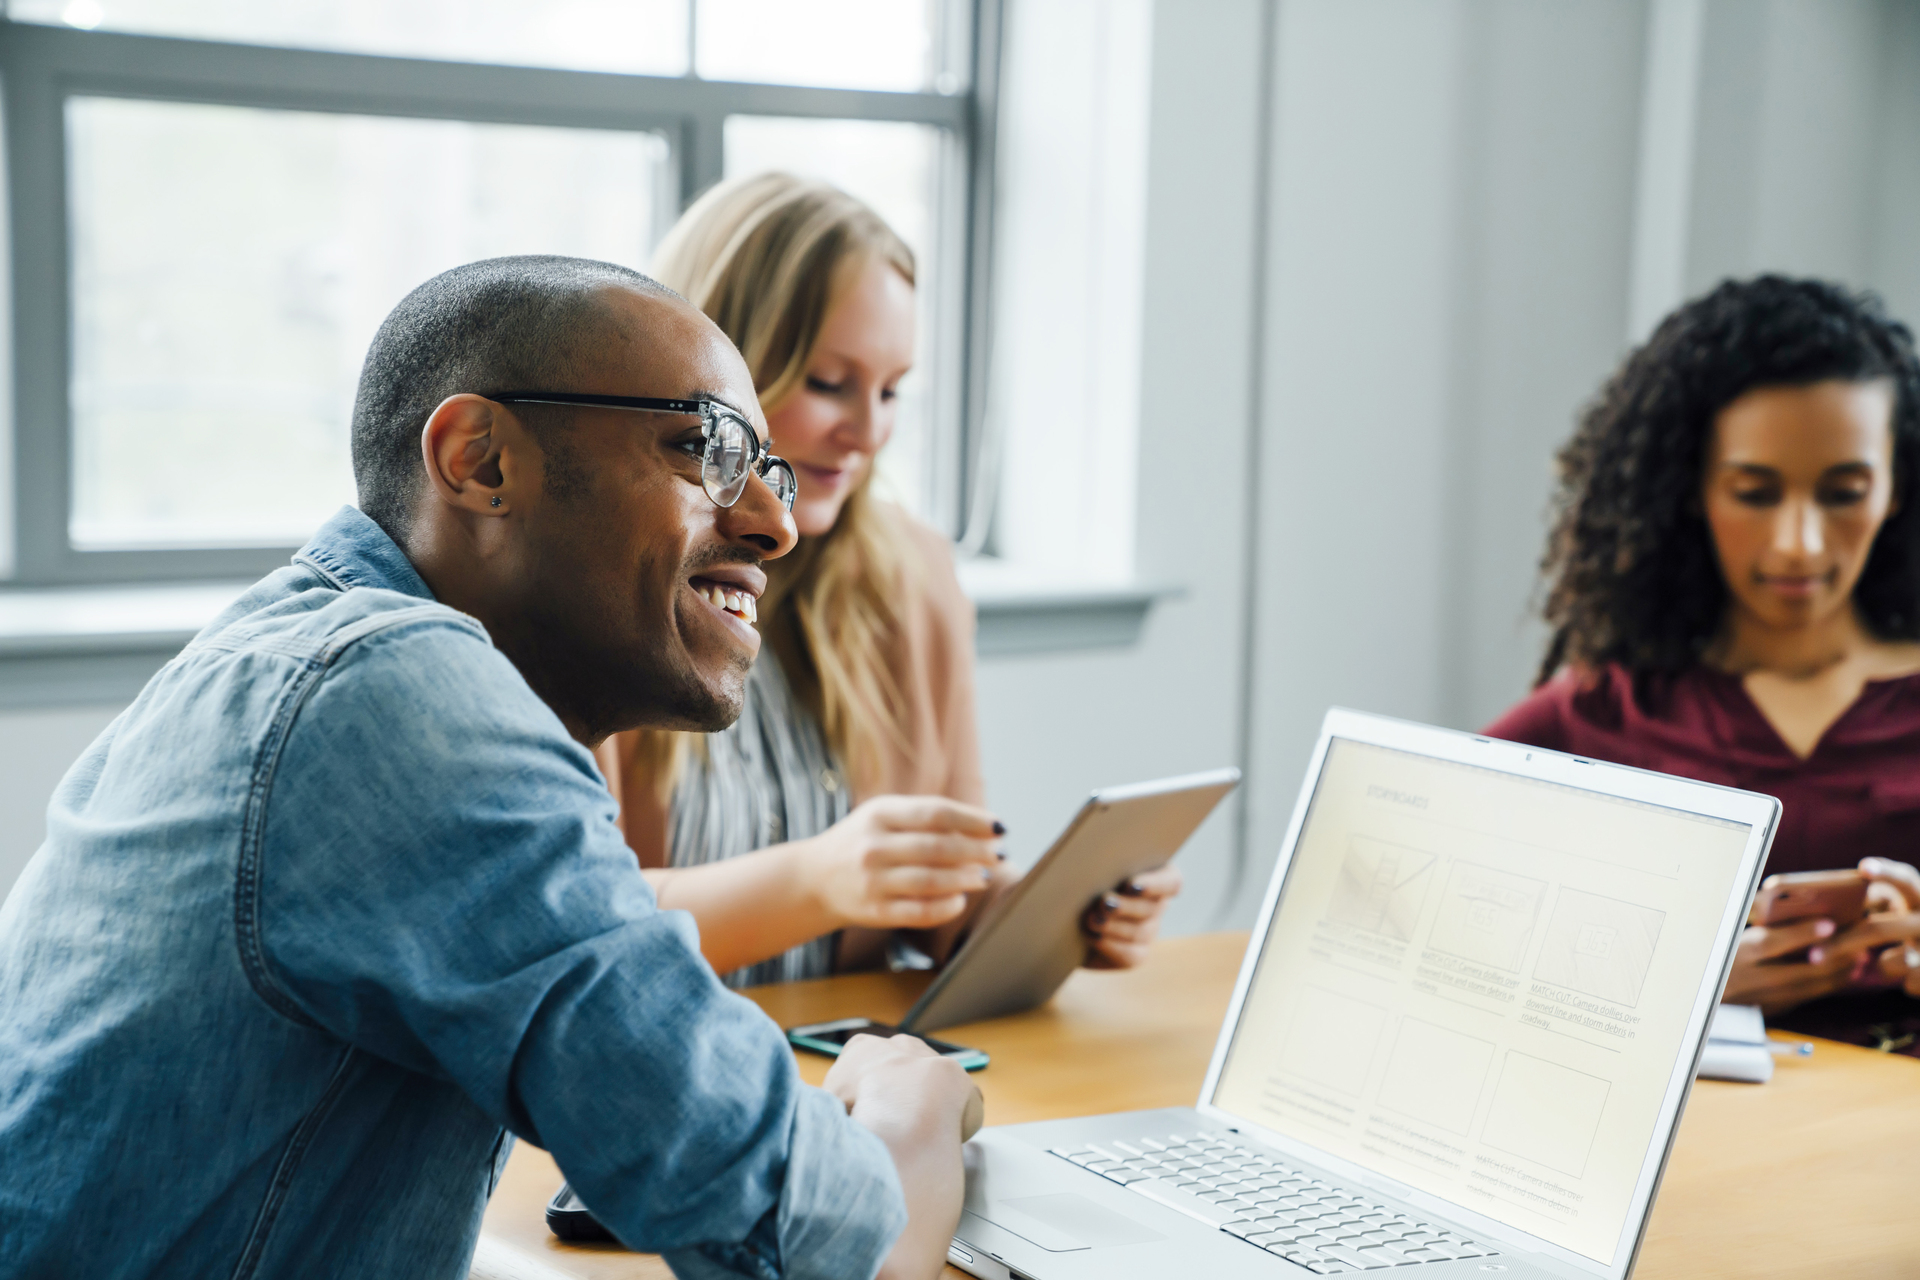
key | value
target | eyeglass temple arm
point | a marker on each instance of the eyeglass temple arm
(702, 408)
(699, 407)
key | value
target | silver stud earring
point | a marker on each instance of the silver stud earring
(496, 500)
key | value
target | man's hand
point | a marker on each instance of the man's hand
(1124, 923)
(913, 1100)
(902, 862)
(886, 1063)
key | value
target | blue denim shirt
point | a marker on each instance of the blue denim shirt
(333, 907)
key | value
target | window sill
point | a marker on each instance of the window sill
(75, 646)
(1024, 611)
(79, 645)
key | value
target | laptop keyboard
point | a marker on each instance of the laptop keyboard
(1324, 1228)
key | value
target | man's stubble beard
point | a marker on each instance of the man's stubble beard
(665, 691)
(608, 688)
(679, 698)
(569, 646)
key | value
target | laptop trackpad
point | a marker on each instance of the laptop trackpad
(1065, 1222)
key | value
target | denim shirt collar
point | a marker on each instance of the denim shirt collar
(350, 550)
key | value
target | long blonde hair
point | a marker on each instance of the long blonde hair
(766, 258)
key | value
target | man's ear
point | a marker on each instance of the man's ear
(465, 455)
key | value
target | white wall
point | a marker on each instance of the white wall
(1894, 265)
(1365, 184)
(1789, 98)
(1445, 225)
(1055, 726)
(1452, 203)
(1453, 210)
(1064, 405)
(1542, 292)
(1809, 144)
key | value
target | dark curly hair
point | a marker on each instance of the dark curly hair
(1630, 567)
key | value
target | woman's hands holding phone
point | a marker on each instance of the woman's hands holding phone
(1766, 971)
(1781, 965)
(1893, 899)
(903, 862)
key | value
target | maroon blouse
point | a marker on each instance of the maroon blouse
(1856, 796)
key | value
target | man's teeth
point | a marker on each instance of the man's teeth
(738, 602)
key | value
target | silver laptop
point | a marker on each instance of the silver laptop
(1459, 1044)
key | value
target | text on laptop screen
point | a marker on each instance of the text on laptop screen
(1477, 984)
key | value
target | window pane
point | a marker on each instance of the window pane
(230, 266)
(897, 169)
(844, 44)
(639, 36)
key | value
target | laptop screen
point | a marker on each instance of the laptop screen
(1478, 984)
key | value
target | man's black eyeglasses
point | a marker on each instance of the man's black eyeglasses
(732, 453)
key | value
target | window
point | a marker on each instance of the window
(1063, 435)
(642, 37)
(215, 202)
(217, 334)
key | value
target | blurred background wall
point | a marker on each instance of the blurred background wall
(1392, 246)
(1313, 289)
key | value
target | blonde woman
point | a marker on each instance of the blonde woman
(838, 824)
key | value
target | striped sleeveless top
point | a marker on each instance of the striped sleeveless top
(766, 779)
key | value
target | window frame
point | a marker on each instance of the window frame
(42, 66)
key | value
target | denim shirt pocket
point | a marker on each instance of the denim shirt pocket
(297, 1144)
(502, 1148)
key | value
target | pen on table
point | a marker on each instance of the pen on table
(1790, 1048)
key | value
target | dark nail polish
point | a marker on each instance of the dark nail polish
(999, 827)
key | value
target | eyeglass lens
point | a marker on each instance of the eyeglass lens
(725, 468)
(781, 480)
(731, 450)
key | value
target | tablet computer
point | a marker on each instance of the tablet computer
(1031, 939)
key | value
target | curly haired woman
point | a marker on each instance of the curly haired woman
(1734, 591)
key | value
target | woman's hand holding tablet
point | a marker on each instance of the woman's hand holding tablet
(1124, 923)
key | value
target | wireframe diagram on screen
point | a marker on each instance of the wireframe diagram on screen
(1461, 978)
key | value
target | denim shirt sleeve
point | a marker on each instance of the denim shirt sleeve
(441, 883)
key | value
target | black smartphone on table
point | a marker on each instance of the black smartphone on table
(571, 1220)
(829, 1038)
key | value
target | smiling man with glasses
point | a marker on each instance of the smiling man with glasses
(340, 902)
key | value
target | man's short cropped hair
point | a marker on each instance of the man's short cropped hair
(500, 324)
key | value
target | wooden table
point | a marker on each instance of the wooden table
(1816, 1173)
